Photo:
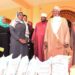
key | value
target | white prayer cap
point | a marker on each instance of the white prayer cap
(43, 15)
(56, 8)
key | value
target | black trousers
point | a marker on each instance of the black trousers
(31, 49)
(4, 41)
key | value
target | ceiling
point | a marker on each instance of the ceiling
(5, 4)
(38, 2)
(16, 3)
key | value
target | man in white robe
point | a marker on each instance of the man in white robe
(57, 36)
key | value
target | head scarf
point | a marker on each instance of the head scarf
(14, 22)
(5, 25)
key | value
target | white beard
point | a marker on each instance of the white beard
(55, 24)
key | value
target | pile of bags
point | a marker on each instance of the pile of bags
(57, 65)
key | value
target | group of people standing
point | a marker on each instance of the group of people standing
(19, 30)
(49, 38)
(52, 37)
